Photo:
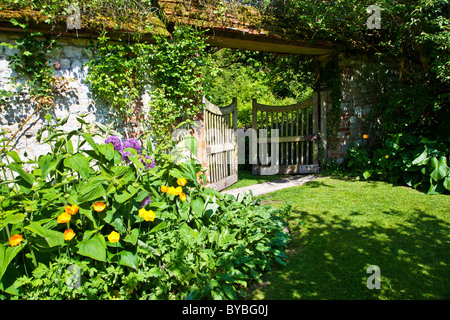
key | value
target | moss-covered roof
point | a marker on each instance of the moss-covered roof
(242, 28)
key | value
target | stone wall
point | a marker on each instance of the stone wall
(68, 62)
(359, 95)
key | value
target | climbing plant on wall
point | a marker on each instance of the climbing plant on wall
(35, 82)
(171, 67)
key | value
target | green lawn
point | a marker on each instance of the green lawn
(247, 179)
(341, 227)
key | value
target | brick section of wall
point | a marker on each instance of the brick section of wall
(358, 97)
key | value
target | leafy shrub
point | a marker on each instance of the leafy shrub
(115, 221)
(417, 161)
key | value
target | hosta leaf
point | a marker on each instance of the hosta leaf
(438, 168)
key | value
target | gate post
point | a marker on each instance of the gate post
(315, 124)
(323, 99)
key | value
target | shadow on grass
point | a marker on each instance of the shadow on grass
(329, 257)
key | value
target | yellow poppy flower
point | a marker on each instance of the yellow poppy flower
(99, 206)
(164, 189)
(15, 240)
(114, 237)
(178, 191)
(64, 217)
(147, 215)
(171, 190)
(182, 182)
(68, 234)
(72, 209)
(386, 156)
(183, 197)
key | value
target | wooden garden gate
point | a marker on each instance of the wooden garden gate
(221, 145)
(298, 129)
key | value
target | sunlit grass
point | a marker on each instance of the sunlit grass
(247, 179)
(341, 227)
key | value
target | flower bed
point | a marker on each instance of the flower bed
(114, 221)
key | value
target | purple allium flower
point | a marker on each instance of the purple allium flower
(146, 163)
(125, 156)
(146, 201)
(115, 142)
(132, 143)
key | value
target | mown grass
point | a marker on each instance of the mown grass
(341, 227)
(247, 179)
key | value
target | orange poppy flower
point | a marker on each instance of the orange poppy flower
(99, 206)
(15, 240)
(365, 136)
(68, 234)
(182, 182)
(183, 197)
(64, 217)
(72, 209)
(164, 189)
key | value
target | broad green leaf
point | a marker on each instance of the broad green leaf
(367, 174)
(116, 220)
(122, 197)
(25, 175)
(132, 237)
(197, 207)
(447, 182)
(12, 219)
(128, 259)
(158, 227)
(52, 237)
(94, 248)
(438, 168)
(422, 159)
(78, 162)
(91, 141)
(15, 156)
(7, 255)
(92, 189)
(136, 162)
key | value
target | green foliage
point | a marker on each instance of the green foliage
(32, 65)
(175, 67)
(185, 241)
(271, 79)
(115, 75)
(122, 71)
(418, 162)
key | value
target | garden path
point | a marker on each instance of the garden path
(271, 186)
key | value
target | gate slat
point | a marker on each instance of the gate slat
(296, 125)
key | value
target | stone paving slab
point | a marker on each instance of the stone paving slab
(271, 186)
